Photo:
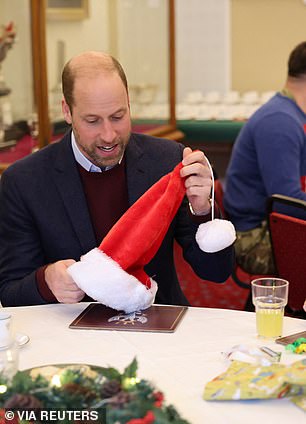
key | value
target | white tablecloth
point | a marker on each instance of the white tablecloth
(179, 363)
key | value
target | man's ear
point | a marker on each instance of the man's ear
(66, 112)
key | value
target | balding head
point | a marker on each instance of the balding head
(89, 65)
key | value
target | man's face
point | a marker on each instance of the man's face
(100, 118)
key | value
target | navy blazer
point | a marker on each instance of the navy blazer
(44, 218)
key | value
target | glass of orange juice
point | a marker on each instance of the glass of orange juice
(270, 296)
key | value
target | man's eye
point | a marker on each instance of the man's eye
(91, 121)
(117, 117)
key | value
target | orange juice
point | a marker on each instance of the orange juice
(269, 317)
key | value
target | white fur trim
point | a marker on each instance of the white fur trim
(215, 235)
(101, 278)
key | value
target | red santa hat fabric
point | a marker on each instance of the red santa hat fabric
(113, 273)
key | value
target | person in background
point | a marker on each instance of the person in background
(60, 202)
(7, 39)
(269, 157)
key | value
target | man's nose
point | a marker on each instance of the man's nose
(107, 132)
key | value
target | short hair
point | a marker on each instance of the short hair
(297, 61)
(70, 73)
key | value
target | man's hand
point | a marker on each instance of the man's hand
(61, 284)
(198, 181)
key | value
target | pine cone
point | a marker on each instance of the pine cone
(110, 388)
(77, 389)
(120, 399)
(20, 401)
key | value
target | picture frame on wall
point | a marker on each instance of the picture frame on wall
(67, 10)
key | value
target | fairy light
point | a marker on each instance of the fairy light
(56, 381)
(130, 382)
(3, 388)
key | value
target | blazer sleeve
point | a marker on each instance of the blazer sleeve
(216, 266)
(20, 251)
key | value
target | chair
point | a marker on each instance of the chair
(288, 239)
(205, 293)
(239, 276)
(219, 193)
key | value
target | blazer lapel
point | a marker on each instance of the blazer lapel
(138, 177)
(67, 179)
(69, 185)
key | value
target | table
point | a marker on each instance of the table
(216, 138)
(179, 363)
(210, 131)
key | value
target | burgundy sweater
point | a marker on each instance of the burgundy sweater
(107, 200)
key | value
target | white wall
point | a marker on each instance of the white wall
(143, 42)
(202, 46)
(140, 31)
(87, 34)
(74, 37)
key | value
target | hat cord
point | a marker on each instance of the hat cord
(213, 190)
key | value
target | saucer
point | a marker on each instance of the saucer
(22, 339)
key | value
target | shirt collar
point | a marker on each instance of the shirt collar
(83, 161)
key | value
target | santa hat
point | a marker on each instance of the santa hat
(113, 273)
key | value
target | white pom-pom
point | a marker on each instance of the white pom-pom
(104, 280)
(215, 235)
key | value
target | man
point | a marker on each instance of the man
(269, 157)
(60, 202)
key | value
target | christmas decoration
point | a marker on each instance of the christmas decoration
(298, 346)
(118, 398)
(244, 381)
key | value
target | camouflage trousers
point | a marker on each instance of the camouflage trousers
(253, 250)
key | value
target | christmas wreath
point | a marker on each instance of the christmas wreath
(116, 397)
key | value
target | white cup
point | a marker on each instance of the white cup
(5, 329)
